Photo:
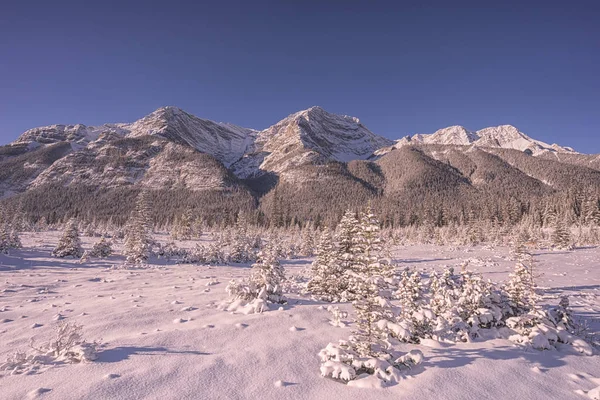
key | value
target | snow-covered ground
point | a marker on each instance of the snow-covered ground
(164, 336)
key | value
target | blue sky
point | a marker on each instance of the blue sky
(401, 67)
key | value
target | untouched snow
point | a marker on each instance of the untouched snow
(164, 336)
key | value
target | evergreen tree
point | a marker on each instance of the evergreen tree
(101, 249)
(137, 238)
(561, 235)
(520, 289)
(69, 244)
(183, 226)
(267, 276)
(307, 248)
(325, 273)
(366, 282)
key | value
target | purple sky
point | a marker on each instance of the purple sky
(401, 67)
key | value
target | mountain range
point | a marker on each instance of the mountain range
(310, 164)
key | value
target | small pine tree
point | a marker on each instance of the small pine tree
(409, 292)
(137, 238)
(265, 281)
(561, 236)
(366, 255)
(267, 275)
(5, 240)
(183, 229)
(521, 289)
(307, 249)
(101, 249)
(69, 244)
(325, 274)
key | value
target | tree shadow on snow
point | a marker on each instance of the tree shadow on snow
(420, 260)
(124, 352)
(34, 259)
(453, 357)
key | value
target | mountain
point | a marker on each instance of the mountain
(503, 136)
(308, 137)
(226, 142)
(311, 165)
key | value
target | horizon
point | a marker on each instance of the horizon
(400, 69)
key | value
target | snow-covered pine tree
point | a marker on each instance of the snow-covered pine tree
(69, 244)
(520, 250)
(344, 258)
(102, 248)
(240, 247)
(264, 284)
(366, 279)
(409, 292)
(307, 248)
(366, 250)
(561, 235)
(184, 225)
(521, 289)
(371, 309)
(267, 275)
(137, 236)
(5, 240)
(325, 273)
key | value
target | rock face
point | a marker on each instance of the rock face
(309, 136)
(226, 142)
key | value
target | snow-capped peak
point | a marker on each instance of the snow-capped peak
(503, 136)
(308, 135)
(456, 134)
(226, 142)
(509, 137)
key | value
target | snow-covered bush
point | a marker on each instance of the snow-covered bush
(170, 250)
(69, 244)
(337, 316)
(67, 346)
(342, 363)
(546, 329)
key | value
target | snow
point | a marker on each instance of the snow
(211, 353)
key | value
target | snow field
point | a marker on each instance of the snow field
(165, 337)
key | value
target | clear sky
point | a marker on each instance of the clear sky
(401, 67)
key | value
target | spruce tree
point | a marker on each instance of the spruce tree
(325, 274)
(366, 282)
(137, 237)
(561, 235)
(267, 276)
(307, 248)
(69, 244)
(101, 249)
(521, 289)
